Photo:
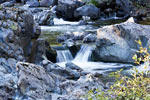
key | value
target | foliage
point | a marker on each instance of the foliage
(1, 7)
(14, 26)
(94, 2)
(140, 4)
(136, 87)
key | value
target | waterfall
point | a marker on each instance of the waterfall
(64, 56)
(84, 54)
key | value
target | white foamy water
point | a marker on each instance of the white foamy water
(84, 54)
(64, 56)
(62, 22)
(82, 60)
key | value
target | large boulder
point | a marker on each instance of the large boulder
(66, 8)
(87, 10)
(35, 83)
(116, 43)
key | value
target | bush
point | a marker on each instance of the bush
(94, 2)
(136, 87)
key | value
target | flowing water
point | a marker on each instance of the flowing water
(82, 59)
(84, 54)
(64, 56)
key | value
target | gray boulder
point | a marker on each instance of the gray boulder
(73, 66)
(116, 43)
(66, 8)
(87, 10)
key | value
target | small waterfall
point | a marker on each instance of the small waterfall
(64, 56)
(84, 54)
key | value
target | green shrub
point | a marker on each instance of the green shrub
(136, 87)
(94, 2)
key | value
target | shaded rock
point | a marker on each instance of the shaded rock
(45, 18)
(116, 43)
(87, 10)
(124, 7)
(74, 49)
(2, 1)
(66, 8)
(47, 3)
(42, 49)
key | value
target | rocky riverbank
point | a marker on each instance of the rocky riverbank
(76, 9)
(19, 44)
(27, 63)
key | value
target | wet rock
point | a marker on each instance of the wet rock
(89, 38)
(87, 10)
(73, 66)
(66, 8)
(45, 17)
(63, 72)
(65, 36)
(116, 43)
(74, 49)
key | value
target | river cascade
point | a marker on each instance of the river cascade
(61, 49)
(83, 60)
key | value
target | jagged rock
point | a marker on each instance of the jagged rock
(89, 38)
(34, 82)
